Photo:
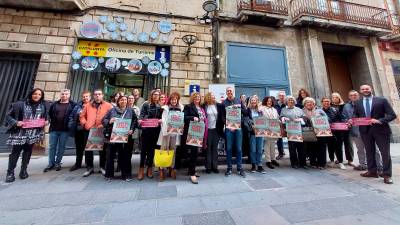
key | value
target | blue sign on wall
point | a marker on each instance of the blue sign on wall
(194, 89)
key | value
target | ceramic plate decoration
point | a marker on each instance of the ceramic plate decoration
(123, 27)
(75, 66)
(165, 39)
(163, 60)
(123, 34)
(111, 26)
(154, 67)
(146, 60)
(143, 37)
(165, 27)
(164, 73)
(103, 19)
(153, 35)
(113, 64)
(90, 29)
(166, 65)
(129, 36)
(119, 19)
(89, 63)
(124, 63)
(134, 66)
(114, 35)
(76, 55)
(101, 60)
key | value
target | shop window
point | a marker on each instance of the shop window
(396, 73)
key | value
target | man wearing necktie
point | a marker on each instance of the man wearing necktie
(378, 132)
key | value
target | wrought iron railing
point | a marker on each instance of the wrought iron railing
(340, 11)
(396, 23)
(269, 6)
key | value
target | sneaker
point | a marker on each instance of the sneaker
(194, 180)
(58, 167)
(74, 167)
(10, 177)
(102, 171)
(128, 179)
(48, 168)
(88, 172)
(341, 166)
(260, 169)
(269, 165)
(242, 173)
(228, 172)
(279, 157)
(109, 179)
(253, 168)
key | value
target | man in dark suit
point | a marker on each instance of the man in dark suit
(377, 132)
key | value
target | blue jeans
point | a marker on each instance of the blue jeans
(234, 137)
(256, 149)
(57, 142)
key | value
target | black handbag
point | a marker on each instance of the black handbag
(309, 134)
(248, 124)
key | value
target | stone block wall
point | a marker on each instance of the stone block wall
(54, 36)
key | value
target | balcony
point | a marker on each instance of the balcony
(56, 5)
(341, 15)
(273, 12)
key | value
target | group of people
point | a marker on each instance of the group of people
(26, 120)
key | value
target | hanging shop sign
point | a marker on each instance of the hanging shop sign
(126, 51)
(90, 29)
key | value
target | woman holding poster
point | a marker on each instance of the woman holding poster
(193, 112)
(293, 115)
(316, 150)
(269, 111)
(149, 121)
(121, 121)
(256, 143)
(169, 137)
(215, 113)
(25, 121)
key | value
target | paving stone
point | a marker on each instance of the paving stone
(190, 190)
(260, 198)
(365, 219)
(22, 217)
(263, 184)
(223, 188)
(159, 221)
(222, 202)
(128, 211)
(393, 214)
(257, 216)
(79, 214)
(211, 218)
(109, 196)
(157, 192)
(179, 206)
(301, 212)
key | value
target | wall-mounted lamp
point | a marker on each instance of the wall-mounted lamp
(208, 6)
(189, 39)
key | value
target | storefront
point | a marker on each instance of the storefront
(121, 67)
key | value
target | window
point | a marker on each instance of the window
(396, 73)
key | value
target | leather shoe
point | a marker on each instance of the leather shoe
(368, 174)
(48, 168)
(10, 178)
(74, 167)
(23, 174)
(387, 180)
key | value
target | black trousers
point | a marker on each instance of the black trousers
(192, 150)
(89, 155)
(317, 151)
(335, 144)
(348, 146)
(149, 143)
(212, 149)
(178, 157)
(279, 143)
(296, 152)
(124, 160)
(26, 150)
(80, 143)
(383, 142)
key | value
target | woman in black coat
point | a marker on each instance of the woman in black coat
(22, 139)
(215, 113)
(193, 112)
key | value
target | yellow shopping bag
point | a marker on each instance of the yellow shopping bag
(163, 158)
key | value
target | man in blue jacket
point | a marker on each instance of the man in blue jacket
(58, 133)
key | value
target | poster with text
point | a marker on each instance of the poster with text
(274, 128)
(95, 140)
(260, 126)
(233, 118)
(294, 133)
(195, 135)
(321, 126)
(175, 122)
(119, 133)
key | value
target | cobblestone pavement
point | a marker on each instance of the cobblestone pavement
(282, 196)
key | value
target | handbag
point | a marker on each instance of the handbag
(248, 124)
(309, 134)
(163, 158)
(221, 147)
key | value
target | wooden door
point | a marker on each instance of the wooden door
(338, 73)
